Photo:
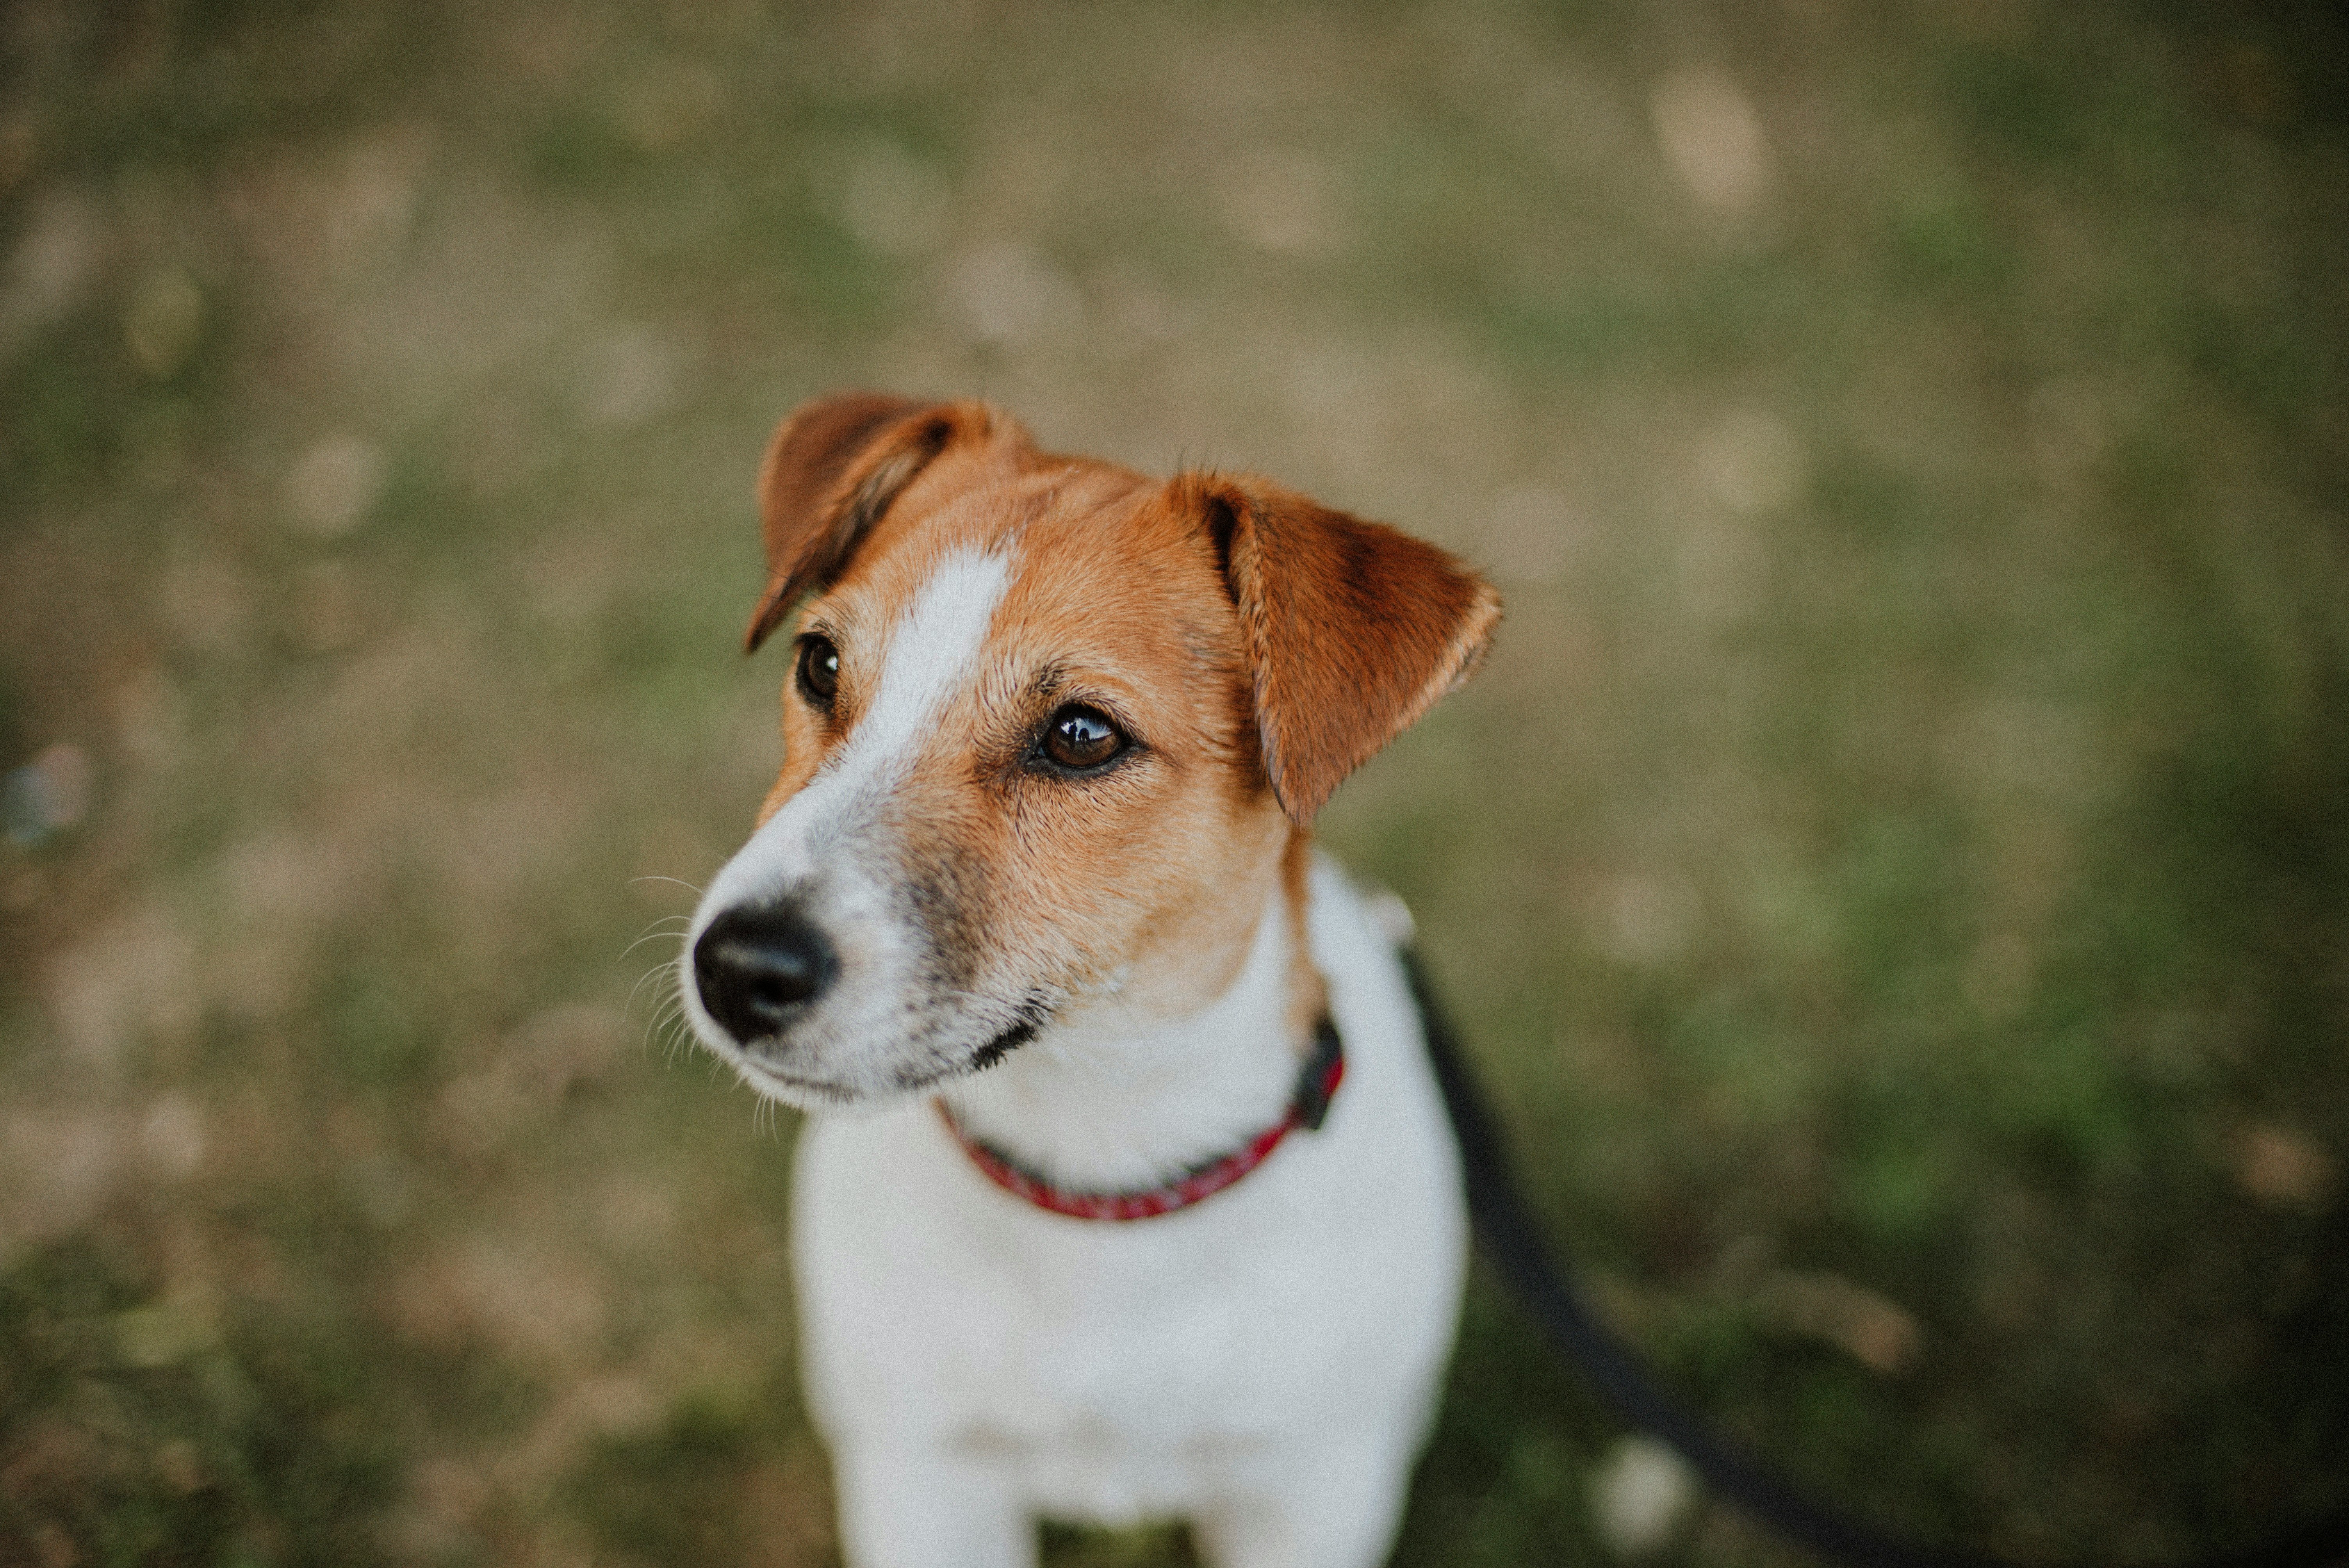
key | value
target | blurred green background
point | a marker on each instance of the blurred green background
(1894, 872)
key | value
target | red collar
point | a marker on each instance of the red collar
(1308, 1104)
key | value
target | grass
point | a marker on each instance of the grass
(1893, 871)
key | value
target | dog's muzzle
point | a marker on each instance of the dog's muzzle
(759, 967)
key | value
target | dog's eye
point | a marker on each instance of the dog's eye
(819, 672)
(1082, 737)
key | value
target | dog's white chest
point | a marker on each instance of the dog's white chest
(1119, 1370)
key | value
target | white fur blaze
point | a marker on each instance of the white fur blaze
(828, 848)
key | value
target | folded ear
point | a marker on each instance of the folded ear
(1352, 629)
(831, 473)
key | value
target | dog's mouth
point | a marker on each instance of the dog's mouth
(790, 1088)
(1036, 1010)
(759, 1063)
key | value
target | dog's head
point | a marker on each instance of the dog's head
(1048, 729)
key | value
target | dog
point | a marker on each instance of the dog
(1128, 1194)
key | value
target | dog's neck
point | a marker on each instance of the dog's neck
(1106, 1099)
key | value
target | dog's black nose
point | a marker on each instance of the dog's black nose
(758, 967)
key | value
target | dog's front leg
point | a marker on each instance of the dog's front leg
(924, 1507)
(1332, 1502)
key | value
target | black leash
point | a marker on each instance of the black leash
(1547, 1290)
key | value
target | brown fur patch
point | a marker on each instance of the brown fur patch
(833, 470)
(1352, 630)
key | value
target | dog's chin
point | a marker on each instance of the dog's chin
(877, 1088)
(802, 1093)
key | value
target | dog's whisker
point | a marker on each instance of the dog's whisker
(653, 928)
(680, 882)
(670, 1028)
(1140, 1034)
(662, 968)
(660, 920)
(653, 937)
(663, 1026)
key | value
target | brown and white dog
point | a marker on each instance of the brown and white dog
(1084, 1227)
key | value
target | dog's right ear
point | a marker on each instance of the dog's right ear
(831, 472)
(1351, 629)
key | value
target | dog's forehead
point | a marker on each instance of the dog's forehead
(1100, 569)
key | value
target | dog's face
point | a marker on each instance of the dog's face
(1047, 727)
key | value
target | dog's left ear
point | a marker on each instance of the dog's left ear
(831, 472)
(1352, 630)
